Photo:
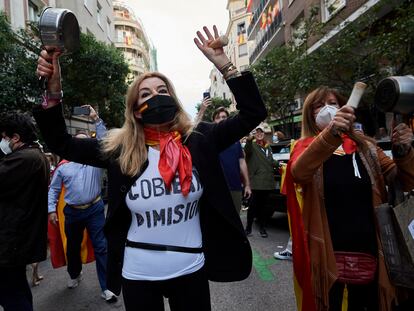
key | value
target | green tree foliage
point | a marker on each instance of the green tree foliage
(216, 103)
(18, 83)
(366, 50)
(95, 75)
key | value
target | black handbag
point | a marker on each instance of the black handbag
(394, 221)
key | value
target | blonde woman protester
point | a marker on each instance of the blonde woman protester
(343, 175)
(171, 225)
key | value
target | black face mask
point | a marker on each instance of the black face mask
(161, 109)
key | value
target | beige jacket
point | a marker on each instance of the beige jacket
(307, 171)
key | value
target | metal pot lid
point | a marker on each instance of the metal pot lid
(59, 28)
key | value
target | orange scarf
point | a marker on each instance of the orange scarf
(173, 157)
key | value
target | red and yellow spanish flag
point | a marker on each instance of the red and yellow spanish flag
(241, 39)
(269, 16)
(275, 11)
(263, 23)
(302, 277)
(57, 237)
(248, 4)
(128, 40)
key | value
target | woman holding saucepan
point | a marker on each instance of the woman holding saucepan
(171, 225)
(342, 175)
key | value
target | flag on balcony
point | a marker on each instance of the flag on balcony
(269, 16)
(241, 39)
(128, 40)
(248, 5)
(263, 23)
(276, 9)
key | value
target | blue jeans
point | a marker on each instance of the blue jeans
(93, 219)
(15, 293)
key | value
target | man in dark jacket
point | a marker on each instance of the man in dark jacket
(24, 178)
(261, 165)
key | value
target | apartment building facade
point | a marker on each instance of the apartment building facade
(132, 40)
(279, 22)
(94, 16)
(237, 49)
(266, 29)
(218, 86)
(282, 22)
(22, 11)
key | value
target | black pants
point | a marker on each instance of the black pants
(360, 297)
(257, 208)
(185, 293)
(15, 294)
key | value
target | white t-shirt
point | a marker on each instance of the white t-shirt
(166, 217)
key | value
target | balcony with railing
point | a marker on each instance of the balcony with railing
(131, 42)
(266, 35)
(138, 64)
(256, 16)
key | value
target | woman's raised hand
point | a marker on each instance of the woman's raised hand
(343, 120)
(48, 67)
(215, 55)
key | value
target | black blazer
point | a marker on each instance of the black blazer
(24, 178)
(227, 251)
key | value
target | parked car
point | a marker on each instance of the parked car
(281, 150)
(385, 145)
(277, 201)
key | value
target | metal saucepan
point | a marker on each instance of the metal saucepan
(59, 29)
(396, 94)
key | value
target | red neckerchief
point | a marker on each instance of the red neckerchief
(262, 143)
(174, 156)
(348, 144)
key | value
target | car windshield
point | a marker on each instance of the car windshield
(281, 151)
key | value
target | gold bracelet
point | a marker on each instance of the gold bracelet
(229, 68)
(225, 66)
(230, 72)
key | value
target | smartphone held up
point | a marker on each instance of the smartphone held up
(83, 110)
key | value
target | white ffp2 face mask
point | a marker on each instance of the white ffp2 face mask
(5, 146)
(325, 116)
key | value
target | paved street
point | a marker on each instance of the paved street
(269, 286)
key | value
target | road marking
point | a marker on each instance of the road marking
(262, 266)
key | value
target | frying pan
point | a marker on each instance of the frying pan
(59, 29)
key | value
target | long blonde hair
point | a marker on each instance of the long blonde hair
(309, 127)
(127, 144)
